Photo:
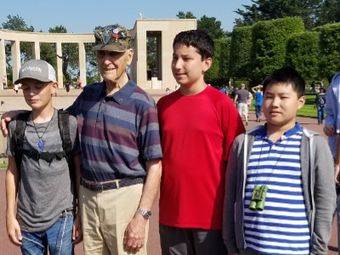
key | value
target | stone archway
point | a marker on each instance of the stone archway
(163, 30)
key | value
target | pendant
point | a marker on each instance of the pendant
(40, 144)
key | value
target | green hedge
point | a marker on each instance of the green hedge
(329, 50)
(303, 53)
(218, 73)
(269, 45)
(240, 50)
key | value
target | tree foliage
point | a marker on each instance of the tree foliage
(17, 23)
(205, 23)
(274, 9)
(329, 12)
(211, 26)
(185, 15)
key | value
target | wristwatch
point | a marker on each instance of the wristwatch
(145, 213)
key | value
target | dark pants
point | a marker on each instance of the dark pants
(188, 241)
(258, 111)
(320, 112)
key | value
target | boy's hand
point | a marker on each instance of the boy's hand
(14, 231)
(77, 232)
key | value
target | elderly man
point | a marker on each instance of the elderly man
(120, 151)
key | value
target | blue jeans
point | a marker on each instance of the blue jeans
(57, 238)
(258, 111)
(320, 114)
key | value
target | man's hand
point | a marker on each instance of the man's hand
(77, 233)
(5, 119)
(134, 235)
(328, 130)
(14, 231)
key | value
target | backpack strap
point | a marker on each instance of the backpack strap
(19, 136)
(64, 129)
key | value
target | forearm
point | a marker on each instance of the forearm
(11, 183)
(337, 154)
(151, 186)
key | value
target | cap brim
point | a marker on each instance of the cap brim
(30, 77)
(109, 47)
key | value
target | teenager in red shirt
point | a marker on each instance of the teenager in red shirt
(198, 125)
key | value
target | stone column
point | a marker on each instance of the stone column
(36, 50)
(3, 73)
(60, 66)
(82, 63)
(16, 59)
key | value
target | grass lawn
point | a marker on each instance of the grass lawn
(307, 110)
(3, 163)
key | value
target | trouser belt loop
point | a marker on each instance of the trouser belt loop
(117, 184)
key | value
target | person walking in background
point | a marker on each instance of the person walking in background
(40, 193)
(224, 89)
(198, 125)
(258, 101)
(320, 102)
(279, 189)
(241, 98)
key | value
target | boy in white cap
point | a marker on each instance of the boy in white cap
(39, 187)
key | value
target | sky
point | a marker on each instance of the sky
(82, 16)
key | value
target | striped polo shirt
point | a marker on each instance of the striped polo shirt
(117, 133)
(282, 227)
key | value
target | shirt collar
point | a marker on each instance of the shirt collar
(122, 94)
(262, 131)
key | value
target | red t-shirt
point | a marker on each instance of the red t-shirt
(197, 132)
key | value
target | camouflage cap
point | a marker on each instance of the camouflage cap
(112, 38)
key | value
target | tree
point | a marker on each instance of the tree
(17, 23)
(329, 12)
(207, 24)
(274, 9)
(211, 26)
(185, 15)
(249, 16)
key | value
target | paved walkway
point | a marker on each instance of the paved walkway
(153, 244)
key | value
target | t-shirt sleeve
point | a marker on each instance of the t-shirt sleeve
(10, 150)
(232, 126)
(149, 134)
